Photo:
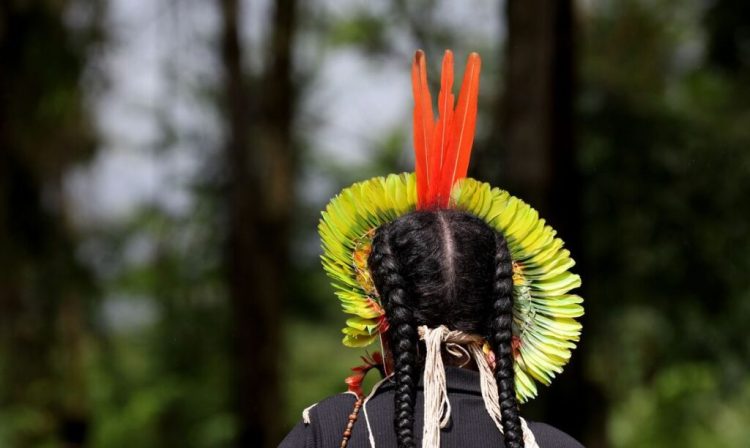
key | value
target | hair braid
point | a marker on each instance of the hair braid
(402, 334)
(501, 334)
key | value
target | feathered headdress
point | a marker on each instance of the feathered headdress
(544, 312)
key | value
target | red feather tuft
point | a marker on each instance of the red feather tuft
(354, 381)
(443, 149)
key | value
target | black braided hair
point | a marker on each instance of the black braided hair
(444, 267)
(501, 334)
(403, 336)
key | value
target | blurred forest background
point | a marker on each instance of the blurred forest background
(163, 166)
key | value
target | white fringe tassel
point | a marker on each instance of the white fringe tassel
(437, 407)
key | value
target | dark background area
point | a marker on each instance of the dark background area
(163, 166)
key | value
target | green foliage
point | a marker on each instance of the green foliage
(307, 380)
(664, 157)
(363, 29)
(685, 405)
(164, 381)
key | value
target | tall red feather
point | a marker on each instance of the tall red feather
(443, 128)
(458, 153)
(423, 125)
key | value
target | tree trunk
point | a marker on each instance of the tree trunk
(42, 285)
(260, 200)
(537, 122)
(536, 116)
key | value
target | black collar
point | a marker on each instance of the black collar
(456, 378)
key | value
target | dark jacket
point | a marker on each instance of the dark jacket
(470, 426)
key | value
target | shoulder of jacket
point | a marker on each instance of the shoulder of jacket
(333, 404)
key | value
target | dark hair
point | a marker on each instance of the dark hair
(445, 267)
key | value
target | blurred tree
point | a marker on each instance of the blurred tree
(728, 25)
(44, 131)
(260, 165)
(535, 127)
(537, 113)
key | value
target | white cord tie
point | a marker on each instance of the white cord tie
(437, 407)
